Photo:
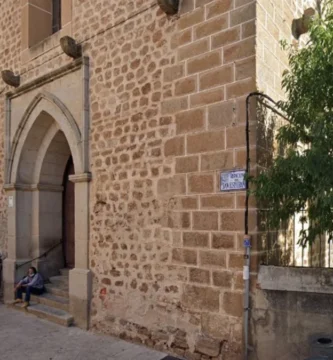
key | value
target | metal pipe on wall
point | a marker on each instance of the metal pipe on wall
(247, 238)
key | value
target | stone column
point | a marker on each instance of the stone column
(18, 235)
(80, 277)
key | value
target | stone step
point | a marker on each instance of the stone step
(57, 316)
(61, 291)
(64, 272)
(60, 281)
(57, 302)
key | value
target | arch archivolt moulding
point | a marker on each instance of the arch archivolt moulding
(48, 138)
(63, 120)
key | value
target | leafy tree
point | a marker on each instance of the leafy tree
(302, 177)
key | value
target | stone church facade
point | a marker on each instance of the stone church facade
(150, 109)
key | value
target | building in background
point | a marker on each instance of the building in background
(115, 143)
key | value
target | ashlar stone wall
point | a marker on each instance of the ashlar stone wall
(168, 113)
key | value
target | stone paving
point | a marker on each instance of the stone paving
(25, 337)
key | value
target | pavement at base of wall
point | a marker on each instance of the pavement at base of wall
(25, 337)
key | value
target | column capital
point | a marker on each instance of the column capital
(79, 178)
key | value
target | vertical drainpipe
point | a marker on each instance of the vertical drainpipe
(247, 241)
(247, 238)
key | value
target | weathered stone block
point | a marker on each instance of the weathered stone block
(171, 186)
(223, 114)
(194, 49)
(201, 298)
(173, 72)
(174, 147)
(219, 7)
(231, 221)
(179, 220)
(199, 276)
(190, 356)
(204, 62)
(217, 326)
(181, 38)
(201, 183)
(226, 37)
(186, 86)
(213, 258)
(189, 203)
(239, 50)
(233, 303)
(212, 26)
(208, 141)
(236, 261)
(208, 97)
(245, 68)
(205, 220)
(187, 164)
(196, 239)
(184, 256)
(243, 14)
(174, 105)
(249, 29)
(208, 346)
(218, 77)
(224, 201)
(180, 340)
(192, 120)
(223, 241)
(191, 19)
(240, 88)
(222, 279)
(234, 221)
(217, 161)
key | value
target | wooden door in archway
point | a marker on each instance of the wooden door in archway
(69, 216)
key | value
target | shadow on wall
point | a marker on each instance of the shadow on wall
(279, 246)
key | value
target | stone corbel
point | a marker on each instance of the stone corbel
(170, 7)
(10, 78)
(70, 47)
(301, 25)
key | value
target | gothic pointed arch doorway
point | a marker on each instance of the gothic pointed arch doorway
(46, 146)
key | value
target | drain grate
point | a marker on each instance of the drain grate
(322, 347)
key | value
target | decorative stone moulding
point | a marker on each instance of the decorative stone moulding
(70, 47)
(10, 78)
(301, 25)
(170, 7)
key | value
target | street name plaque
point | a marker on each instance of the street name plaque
(233, 180)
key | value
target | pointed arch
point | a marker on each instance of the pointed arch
(44, 103)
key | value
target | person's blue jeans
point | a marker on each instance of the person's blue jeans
(28, 290)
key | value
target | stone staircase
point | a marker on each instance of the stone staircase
(53, 305)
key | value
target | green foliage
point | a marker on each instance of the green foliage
(302, 178)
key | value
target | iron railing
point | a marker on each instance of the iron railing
(44, 255)
(281, 247)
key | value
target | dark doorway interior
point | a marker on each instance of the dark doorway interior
(69, 216)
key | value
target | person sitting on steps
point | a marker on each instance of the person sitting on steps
(31, 284)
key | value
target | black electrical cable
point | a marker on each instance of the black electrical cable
(248, 159)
